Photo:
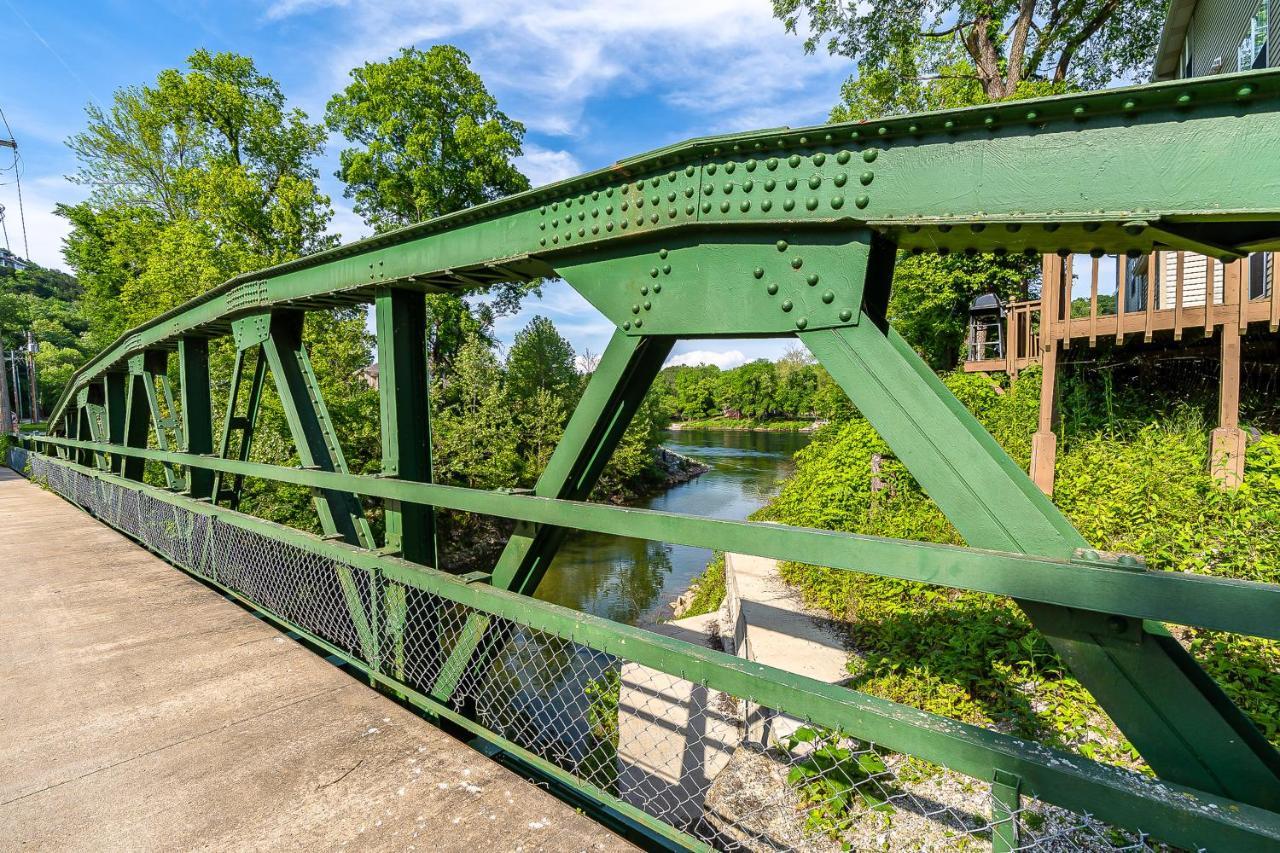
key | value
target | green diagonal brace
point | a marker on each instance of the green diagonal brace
(1174, 714)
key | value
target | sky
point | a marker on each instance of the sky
(593, 82)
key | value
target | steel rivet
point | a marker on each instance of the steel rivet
(635, 309)
(648, 305)
(828, 296)
(842, 157)
(639, 323)
(706, 207)
(582, 232)
(812, 280)
(845, 315)
(869, 156)
(729, 167)
(819, 158)
(782, 245)
(771, 289)
(1032, 115)
(1184, 99)
(724, 207)
(789, 204)
(791, 183)
(671, 212)
(654, 217)
(728, 188)
(666, 269)
(608, 226)
(671, 196)
(595, 229)
(766, 205)
(1078, 112)
(840, 179)
(662, 253)
(862, 201)
(769, 184)
(977, 228)
(542, 241)
(815, 181)
(627, 326)
(544, 209)
(866, 178)
(989, 121)
(1244, 91)
(758, 272)
(949, 124)
(653, 273)
(744, 206)
(787, 305)
(711, 168)
(555, 239)
(794, 160)
(644, 291)
(801, 322)
(771, 163)
(657, 288)
(689, 170)
(796, 263)
(748, 186)
(883, 130)
(1130, 105)
(751, 165)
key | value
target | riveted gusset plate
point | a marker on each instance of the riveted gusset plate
(252, 330)
(727, 282)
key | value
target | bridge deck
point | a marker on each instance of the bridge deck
(143, 710)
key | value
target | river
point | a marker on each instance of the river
(633, 580)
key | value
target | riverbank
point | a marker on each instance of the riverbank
(749, 425)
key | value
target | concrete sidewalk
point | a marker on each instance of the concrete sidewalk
(142, 710)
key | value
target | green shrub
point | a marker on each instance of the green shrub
(708, 588)
(1127, 482)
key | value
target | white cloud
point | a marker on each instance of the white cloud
(723, 360)
(730, 61)
(45, 229)
(544, 166)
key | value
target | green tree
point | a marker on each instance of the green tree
(995, 46)
(201, 176)
(428, 139)
(432, 139)
(541, 360)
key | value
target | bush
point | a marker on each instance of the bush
(1127, 485)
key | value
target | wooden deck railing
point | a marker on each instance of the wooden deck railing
(1176, 292)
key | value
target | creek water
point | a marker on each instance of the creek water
(633, 580)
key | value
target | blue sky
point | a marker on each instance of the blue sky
(592, 82)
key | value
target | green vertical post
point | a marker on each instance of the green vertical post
(116, 411)
(1006, 803)
(197, 410)
(1174, 714)
(404, 384)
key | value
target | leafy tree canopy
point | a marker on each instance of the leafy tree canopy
(196, 178)
(431, 138)
(541, 360)
(996, 47)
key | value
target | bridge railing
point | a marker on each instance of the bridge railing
(691, 745)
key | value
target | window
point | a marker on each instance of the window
(1253, 48)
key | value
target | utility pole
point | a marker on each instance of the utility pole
(32, 348)
(6, 420)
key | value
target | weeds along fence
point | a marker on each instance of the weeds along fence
(684, 744)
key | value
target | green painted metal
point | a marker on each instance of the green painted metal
(244, 423)
(1182, 815)
(1006, 802)
(405, 412)
(197, 410)
(1087, 581)
(781, 232)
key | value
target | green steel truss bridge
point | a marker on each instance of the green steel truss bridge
(776, 233)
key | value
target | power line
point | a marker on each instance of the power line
(10, 142)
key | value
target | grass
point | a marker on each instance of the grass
(708, 588)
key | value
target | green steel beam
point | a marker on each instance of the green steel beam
(1177, 717)
(1114, 171)
(1086, 581)
(405, 412)
(137, 417)
(245, 424)
(197, 411)
(1175, 813)
(316, 443)
(116, 412)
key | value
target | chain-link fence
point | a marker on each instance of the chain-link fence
(712, 764)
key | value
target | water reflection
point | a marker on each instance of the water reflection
(632, 580)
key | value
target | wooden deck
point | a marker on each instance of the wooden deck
(142, 710)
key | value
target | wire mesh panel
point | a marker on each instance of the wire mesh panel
(715, 765)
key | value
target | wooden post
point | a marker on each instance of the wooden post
(1044, 444)
(1153, 289)
(1121, 299)
(1177, 296)
(1227, 448)
(1275, 292)
(1093, 304)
